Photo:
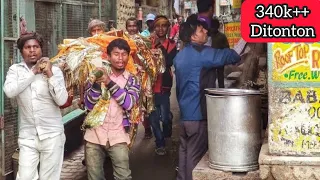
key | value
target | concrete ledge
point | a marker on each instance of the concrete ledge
(72, 115)
(266, 158)
(203, 172)
(288, 167)
(234, 76)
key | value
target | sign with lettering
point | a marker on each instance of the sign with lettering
(295, 129)
(296, 62)
(232, 32)
(294, 99)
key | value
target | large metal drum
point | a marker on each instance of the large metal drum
(234, 129)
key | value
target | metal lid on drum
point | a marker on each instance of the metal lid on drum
(232, 92)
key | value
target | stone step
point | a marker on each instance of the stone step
(262, 62)
(241, 66)
(287, 167)
(229, 83)
(234, 75)
(203, 172)
(230, 68)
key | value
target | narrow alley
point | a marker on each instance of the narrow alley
(144, 163)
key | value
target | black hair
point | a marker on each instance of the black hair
(178, 16)
(188, 28)
(161, 16)
(192, 17)
(131, 19)
(215, 24)
(111, 24)
(204, 5)
(27, 36)
(118, 43)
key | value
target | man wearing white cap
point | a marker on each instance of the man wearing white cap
(96, 26)
(149, 20)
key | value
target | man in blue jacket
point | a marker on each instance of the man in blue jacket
(189, 63)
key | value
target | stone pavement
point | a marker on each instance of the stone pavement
(144, 163)
(143, 160)
(72, 168)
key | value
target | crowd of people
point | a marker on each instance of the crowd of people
(194, 47)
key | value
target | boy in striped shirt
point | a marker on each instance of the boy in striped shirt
(112, 136)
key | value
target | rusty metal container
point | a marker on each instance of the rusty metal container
(234, 129)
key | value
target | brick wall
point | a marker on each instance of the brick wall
(125, 10)
(164, 8)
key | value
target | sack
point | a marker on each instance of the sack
(96, 117)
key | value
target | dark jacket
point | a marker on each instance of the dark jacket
(164, 81)
(209, 76)
(219, 40)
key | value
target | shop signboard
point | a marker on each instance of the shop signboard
(236, 4)
(294, 98)
(233, 33)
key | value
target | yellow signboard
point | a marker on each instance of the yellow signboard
(295, 126)
(294, 111)
(296, 62)
(236, 4)
(300, 96)
(233, 33)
